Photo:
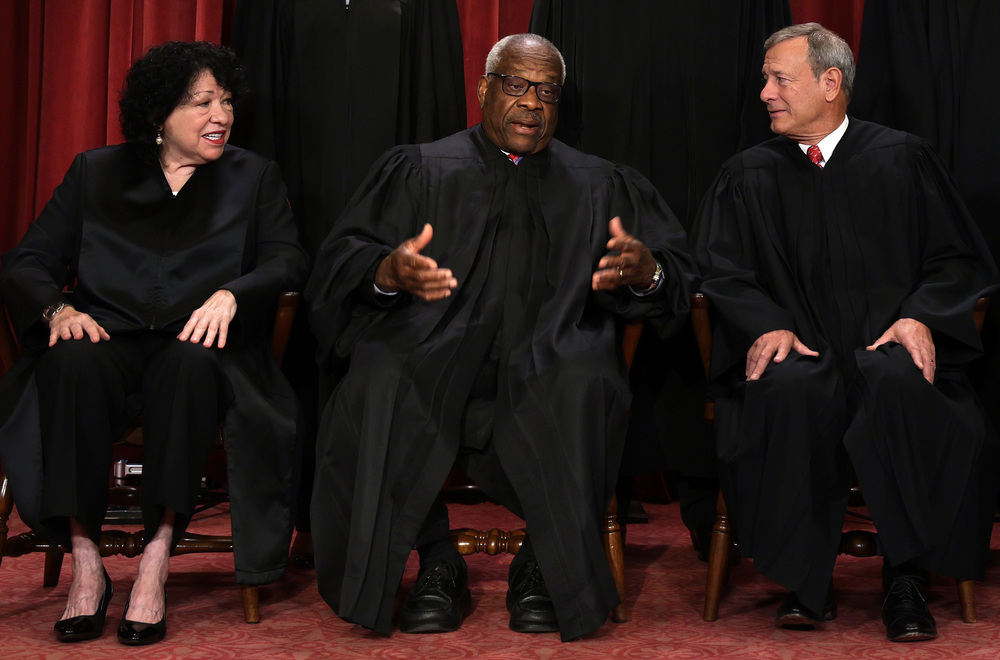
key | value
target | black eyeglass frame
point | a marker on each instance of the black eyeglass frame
(539, 87)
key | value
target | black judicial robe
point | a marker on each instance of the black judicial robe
(837, 256)
(140, 259)
(523, 242)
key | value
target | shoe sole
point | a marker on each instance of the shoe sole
(913, 637)
(527, 627)
(800, 622)
(793, 622)
(79, 637)
(430, 627)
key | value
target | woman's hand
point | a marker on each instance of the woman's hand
(211, 320)
(71, 324)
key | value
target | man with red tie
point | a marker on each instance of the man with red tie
(475, 284)
(843, 268)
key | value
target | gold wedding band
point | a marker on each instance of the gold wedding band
(621, 273)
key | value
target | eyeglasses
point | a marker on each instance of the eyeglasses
(517, 86)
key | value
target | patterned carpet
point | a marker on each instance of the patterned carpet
(665, 592)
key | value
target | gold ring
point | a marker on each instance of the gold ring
(621, 273)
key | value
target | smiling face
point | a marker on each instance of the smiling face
(800, 106)
(197, 130)
(521, 124)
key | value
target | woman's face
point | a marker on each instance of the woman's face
(197, 130)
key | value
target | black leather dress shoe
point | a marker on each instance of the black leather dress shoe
(136, 633)
(438, 601)
(793, 615)
(905, 613)
(528, 601)
(87, 626)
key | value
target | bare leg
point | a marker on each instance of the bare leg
(88, 574)
(147, 603)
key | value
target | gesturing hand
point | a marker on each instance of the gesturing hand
(71, 324)
(916, 338)
(771, 347)
(405, 269)
(632, 264)
(211, 320)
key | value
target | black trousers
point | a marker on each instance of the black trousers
(87, 395)
(477, 458)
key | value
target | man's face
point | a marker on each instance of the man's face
(520, 124)
(796, 101)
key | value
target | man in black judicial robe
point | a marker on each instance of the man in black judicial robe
(844, 294)
(504, 357)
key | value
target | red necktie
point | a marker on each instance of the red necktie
(514, 158)
(815, 155)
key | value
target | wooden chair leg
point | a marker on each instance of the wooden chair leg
(53, 566)
(719, 561)
(967, 600)
(6, 507)
(616, 558)
(251, 602)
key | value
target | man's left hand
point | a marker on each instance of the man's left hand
(630, 263)
(211, 320)
(916, 338)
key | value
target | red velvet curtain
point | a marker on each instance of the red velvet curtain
(841, 16)
(62, 63)
(484, 22)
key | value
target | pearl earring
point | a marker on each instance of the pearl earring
(159, 138)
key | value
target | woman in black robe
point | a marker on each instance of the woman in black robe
(176, 247)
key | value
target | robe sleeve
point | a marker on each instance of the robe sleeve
(726, 253)
(956, 268)
(646, 216)
(35, 272)
(275, 260)
(382, 214)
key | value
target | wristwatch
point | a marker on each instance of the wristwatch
(51, 311)
(657, 276)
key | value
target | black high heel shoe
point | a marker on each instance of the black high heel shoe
(136, 633)
(86, 626)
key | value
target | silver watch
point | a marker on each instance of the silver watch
(51, 311)
(657, 276)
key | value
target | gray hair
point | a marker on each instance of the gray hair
(827, 49)
(517, 41)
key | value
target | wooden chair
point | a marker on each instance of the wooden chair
(496, 541)
(117, 541)
(855, 542)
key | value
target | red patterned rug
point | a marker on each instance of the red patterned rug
(665, 584)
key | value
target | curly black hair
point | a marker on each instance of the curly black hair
(158, 82)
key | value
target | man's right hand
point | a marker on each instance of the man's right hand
(71, 324)
(773, 346)
(405, 269)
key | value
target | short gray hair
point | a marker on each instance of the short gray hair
(519, 40)
(827, 49)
